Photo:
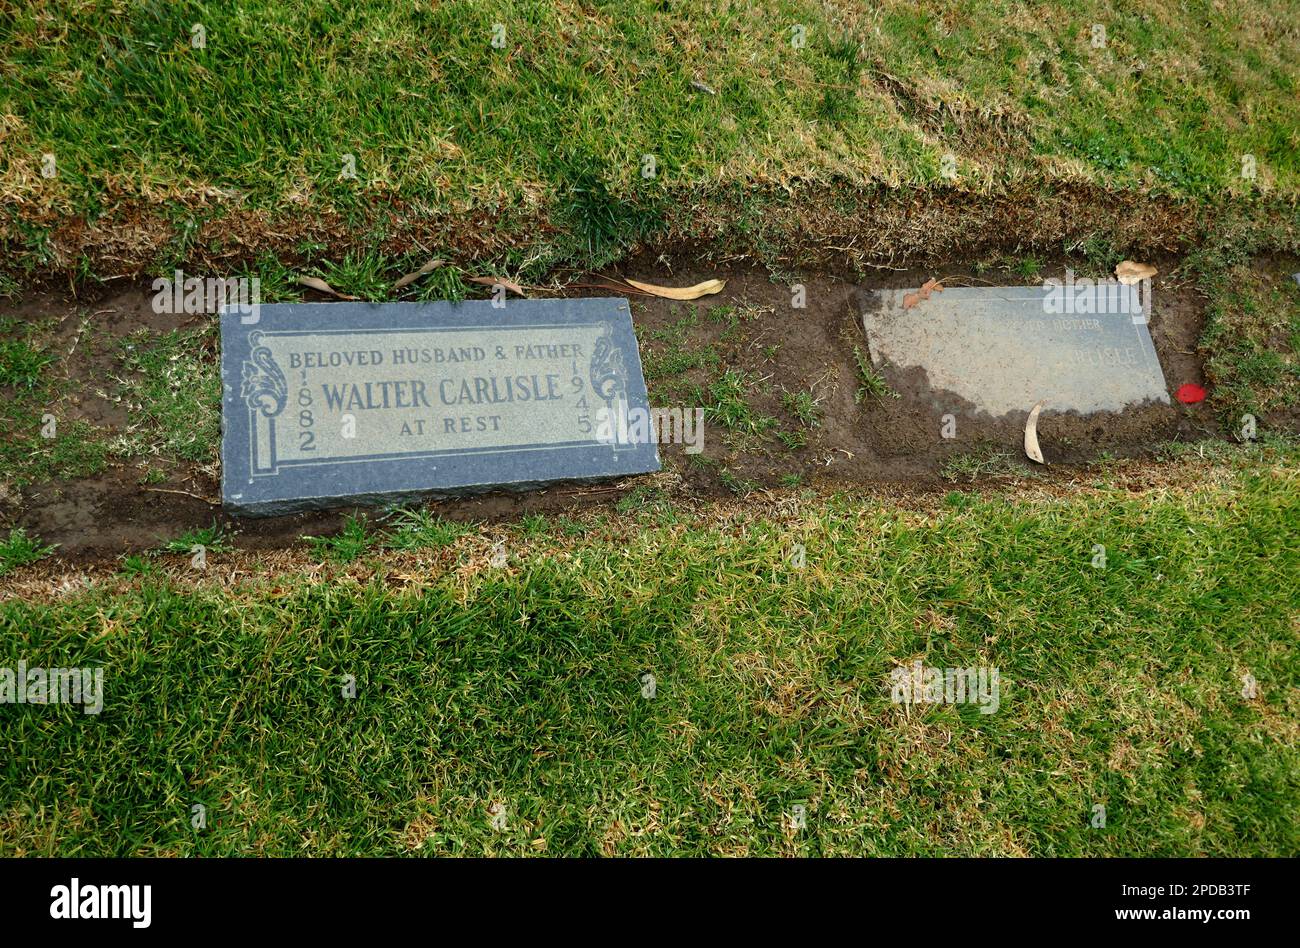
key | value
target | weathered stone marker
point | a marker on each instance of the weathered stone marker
(350, 403)
(1083, 347)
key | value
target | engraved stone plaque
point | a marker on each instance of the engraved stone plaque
(329, 404)
(1083, 347)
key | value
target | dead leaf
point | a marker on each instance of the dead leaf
(498, 281)
(930, 286)
(707, 288)
(316, 283)
(1128, 272)
(1031, 434)
(608, 286)
(412, 277)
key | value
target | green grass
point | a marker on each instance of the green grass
(348, 544)
(138, 564)
(167, 383)
(557, 122)
(985, 461)
(77, 450)
(727, 404)
(419, 529)
(1251, 337)
(361, 275)
(20, 549)
(668, 356)
(22, 366)
(517, 688)
(870, 382)
(213, 539)
(740, 486)
(172, 392)
(793, 440)
(1029, 268)
(804, 406)
(41, 441)
(646, 501)
(521, 689)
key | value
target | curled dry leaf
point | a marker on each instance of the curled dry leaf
(608, 286)
(498, 281)
(706, 288)
(1128, 272)
(316, 283)
(412, 277)
(1031, 434)
(930, 286)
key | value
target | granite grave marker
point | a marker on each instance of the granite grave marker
(327, 404)
(1083, 347)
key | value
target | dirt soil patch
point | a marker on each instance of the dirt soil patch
(781, 386)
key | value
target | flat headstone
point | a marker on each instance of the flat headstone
(328, 404)
(1083, 348)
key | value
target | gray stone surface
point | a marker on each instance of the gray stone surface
(1084, 348)
(328, 404)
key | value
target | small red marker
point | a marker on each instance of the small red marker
(1190, 393)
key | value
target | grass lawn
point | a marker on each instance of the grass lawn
(165, 384)
(671, 675)
(578, 128)
(515, 693)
